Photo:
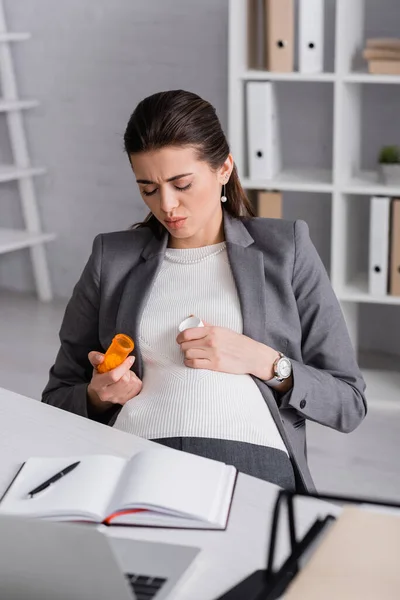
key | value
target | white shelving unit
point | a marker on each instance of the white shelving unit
(295, 180)
(253, 75)
(21, 171)
(346, 182)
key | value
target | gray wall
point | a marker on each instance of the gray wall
(90, 62)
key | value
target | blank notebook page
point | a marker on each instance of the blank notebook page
(86, 489)
(178, 481)
(358, 559)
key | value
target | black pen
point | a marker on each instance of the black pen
(53, 479)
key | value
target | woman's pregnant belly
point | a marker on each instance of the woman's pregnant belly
(178, 401)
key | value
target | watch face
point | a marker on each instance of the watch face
(284, 368)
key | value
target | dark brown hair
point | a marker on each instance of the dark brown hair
(180, 118)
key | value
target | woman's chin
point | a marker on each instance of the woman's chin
(181, 232)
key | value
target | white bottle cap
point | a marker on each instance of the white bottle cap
(190, 322)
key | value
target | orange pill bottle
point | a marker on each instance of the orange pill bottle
(120, 347)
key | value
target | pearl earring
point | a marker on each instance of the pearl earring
(223, 197)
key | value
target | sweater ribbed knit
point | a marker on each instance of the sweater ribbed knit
(179, 401)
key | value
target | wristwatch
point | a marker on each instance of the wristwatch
(282, 370)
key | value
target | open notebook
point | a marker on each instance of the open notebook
(156, 487)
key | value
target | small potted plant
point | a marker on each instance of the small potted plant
(389, 165)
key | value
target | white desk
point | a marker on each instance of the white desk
(28, 427)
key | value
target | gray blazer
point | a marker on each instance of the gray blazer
(287, 303)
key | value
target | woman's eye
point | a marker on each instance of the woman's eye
(183, 189)
(149, 193)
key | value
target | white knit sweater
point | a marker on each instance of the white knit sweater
(179, 401)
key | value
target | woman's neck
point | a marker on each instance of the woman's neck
(190, 243)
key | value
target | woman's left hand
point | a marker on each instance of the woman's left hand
(221, 349)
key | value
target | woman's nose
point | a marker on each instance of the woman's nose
(168, 200)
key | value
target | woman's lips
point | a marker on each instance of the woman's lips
(176, 223)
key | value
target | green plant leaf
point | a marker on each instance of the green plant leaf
(389, 155)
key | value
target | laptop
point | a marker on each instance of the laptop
(44, 560)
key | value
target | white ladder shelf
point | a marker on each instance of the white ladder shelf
(21, 171)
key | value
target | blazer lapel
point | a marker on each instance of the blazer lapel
(136, 291)
(247, 265)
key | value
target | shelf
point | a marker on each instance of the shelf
(364, 77)
(21, 170)
(367, 183)
(11, 173)
(297, 180)
(357, 291)
(9, 105)
(14, 37)
(345, 110)
(295, 76)
(14, 239)
(356, 77)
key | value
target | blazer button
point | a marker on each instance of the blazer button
(303, 403)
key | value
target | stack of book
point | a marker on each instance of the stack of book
(384, 246)
(383, 56)
(271, 35)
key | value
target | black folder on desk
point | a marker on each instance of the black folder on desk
(271, 584)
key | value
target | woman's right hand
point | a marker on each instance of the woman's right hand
(114, 387)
